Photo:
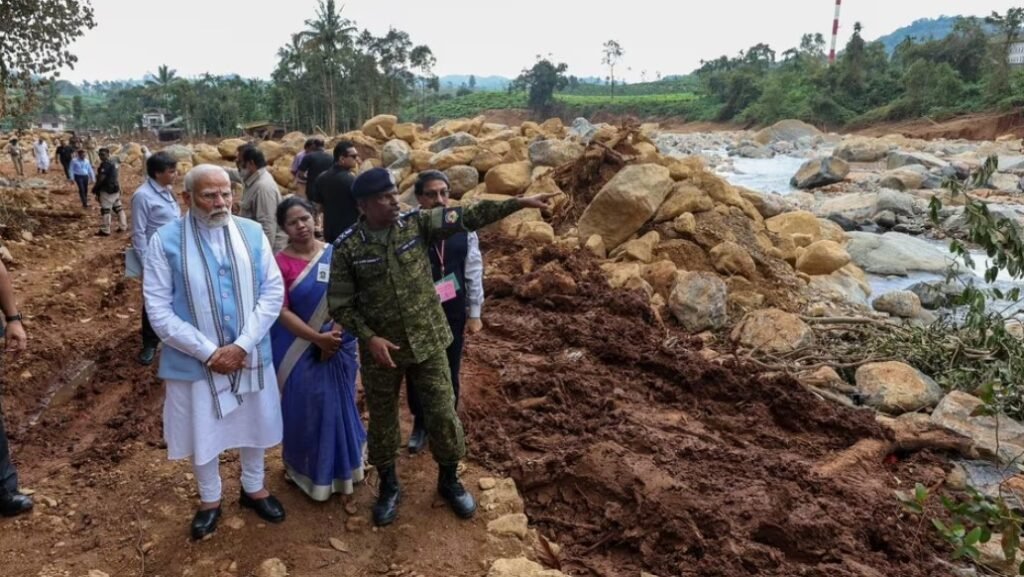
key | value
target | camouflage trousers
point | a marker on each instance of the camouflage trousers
(433, 383)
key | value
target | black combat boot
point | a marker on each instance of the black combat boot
(389, 495)
(418, 438)
(451, 489)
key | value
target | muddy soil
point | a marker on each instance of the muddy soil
(632, 452)
(636, 454)
(85, 430)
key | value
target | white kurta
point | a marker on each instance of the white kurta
(191, 426)
(42, 152)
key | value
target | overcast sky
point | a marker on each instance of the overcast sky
(480, 37)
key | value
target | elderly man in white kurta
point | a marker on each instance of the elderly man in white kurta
(212, 292)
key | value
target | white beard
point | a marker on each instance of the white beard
(211, 221)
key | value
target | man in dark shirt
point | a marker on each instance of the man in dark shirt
(315, 163)
(332, 192)
(108, 194)
(64, 153)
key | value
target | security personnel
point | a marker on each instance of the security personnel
(382, 290)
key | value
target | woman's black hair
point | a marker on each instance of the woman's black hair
(290, 203)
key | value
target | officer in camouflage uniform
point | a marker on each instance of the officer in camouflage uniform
(382, 290)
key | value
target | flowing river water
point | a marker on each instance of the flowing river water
(772, 176)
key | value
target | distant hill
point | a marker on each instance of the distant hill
(483, 83)
(923, 29)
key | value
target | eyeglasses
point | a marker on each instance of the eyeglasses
(213, 196)
(355, 155)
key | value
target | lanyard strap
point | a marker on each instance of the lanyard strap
(440, 256)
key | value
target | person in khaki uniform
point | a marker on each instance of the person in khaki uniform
(14, 150)
(382, 290)
(108, 193)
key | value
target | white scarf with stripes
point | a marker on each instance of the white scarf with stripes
(200, 290)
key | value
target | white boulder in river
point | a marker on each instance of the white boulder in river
(896, 254)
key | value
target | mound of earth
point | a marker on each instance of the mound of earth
(635, 453)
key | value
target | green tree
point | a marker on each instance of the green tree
(35, 37)
(77, 110)
(472, 82)
(612, 54)
(329, 39)
(541, 81)
(1009, 26)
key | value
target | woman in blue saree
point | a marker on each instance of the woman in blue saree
(316, 366)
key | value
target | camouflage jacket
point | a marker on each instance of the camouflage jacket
(387, 290)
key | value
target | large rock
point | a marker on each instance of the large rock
(394, 151)
(625, 203)
(457, 139)
(820, 172)
(937, 294)
(822, 257)
(205, 154)
(895, 254)
(801, 222)
(179, 152)
(773, 331)
(904, 179)
(512, 178)
(767, 204)
(463, 179)
(520, 567)
(229, 148)
(787, 131)
(1005, 182)
(899, 159)
(380, 127)
(582, 130)
(683, 198)
(732, 259)
(956, 413)
(899, 203)
(897, 388)
(408, 131)
(641, 249)
(554, 152)
(458, 156)
(272, 150)
(699, 300)
(862, 150)
(903, 304)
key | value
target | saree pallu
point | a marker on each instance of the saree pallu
(324, 438)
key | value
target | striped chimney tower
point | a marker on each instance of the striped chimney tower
(835, 34)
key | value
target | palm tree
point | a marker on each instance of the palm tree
(161, 83)
(329, 37)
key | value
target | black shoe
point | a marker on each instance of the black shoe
(147, 355)
(15, 504)
(269, 508)
(450, 487)
(205, 522)
(102, 233)
(389, 495)
(418, 438)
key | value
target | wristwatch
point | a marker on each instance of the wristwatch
(13, 318)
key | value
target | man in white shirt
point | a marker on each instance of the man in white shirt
(213, 291)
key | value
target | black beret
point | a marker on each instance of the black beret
(373, 182)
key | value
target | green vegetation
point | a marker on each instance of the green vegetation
(36, 35)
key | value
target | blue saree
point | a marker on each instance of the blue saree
(324, 437)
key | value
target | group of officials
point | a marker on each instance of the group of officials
(262, 323)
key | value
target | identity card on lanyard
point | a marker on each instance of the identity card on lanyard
(448, 287)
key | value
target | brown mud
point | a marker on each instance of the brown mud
(636, 454)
